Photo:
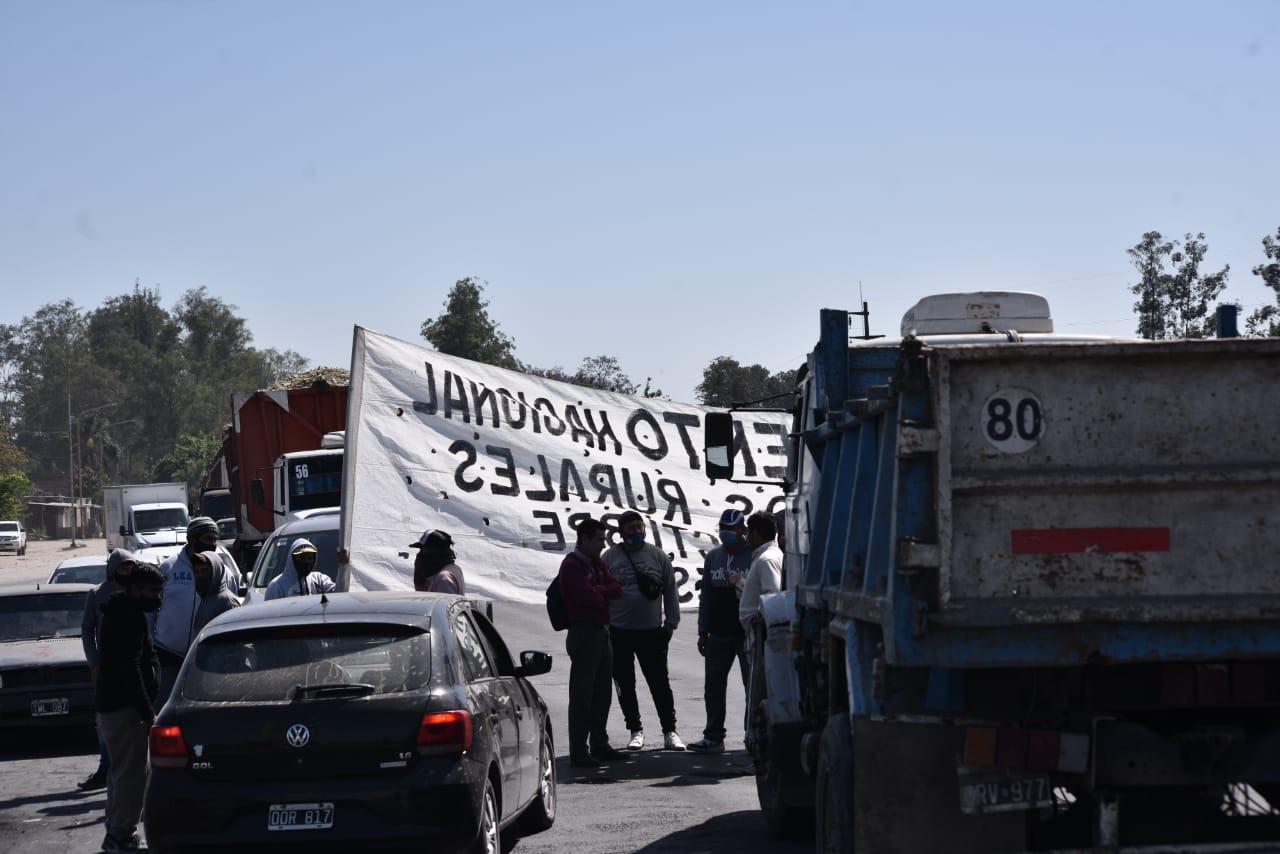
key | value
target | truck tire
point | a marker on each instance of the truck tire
(783, 820)
(833, 809)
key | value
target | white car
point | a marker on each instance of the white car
(318, 526)
(13, 537)
(86, 569)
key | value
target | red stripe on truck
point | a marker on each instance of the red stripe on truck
(1057, 541)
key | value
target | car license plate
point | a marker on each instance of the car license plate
(300, 817)
(1003, 794)
(44, 708)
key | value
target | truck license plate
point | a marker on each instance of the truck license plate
(44, 708)
(1003, 794)
(300, 817)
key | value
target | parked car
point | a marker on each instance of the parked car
(86, 569)
(44, 679)
(318, 526)
(13, 537)
(372, 717)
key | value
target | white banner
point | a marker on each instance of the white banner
(509, 463)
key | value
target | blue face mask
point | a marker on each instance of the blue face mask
(634, 539)
(729, 538)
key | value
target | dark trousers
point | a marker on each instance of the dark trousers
(126, 735)
(721, 652)
(649, 647)
(590, 665)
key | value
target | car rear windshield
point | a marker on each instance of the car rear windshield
(291, 663)
(50, 615)
(94, 573)
(167, 519)
(271, 562)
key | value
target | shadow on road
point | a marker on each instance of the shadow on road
(47, 743)
(736, 831)
(672, 768)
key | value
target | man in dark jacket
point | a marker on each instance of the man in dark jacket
(588, 587)
(721, 639)
(119, 564)
(128, 681)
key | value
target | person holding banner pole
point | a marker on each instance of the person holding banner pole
(638, 631)
(588, 587)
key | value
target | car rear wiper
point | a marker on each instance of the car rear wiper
(338, 689)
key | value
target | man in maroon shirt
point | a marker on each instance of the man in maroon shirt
(588, 587)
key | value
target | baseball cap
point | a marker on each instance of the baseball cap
(433, 540)
(732, 518)
(304, 549)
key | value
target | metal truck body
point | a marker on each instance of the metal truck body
(1032, 594)
(145, 515)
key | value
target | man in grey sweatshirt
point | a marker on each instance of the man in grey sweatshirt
(119, 564)
(637, 630)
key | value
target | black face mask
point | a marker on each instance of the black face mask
(203, 547)
(149, 605)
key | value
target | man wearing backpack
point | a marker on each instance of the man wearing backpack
(587, 588)
(637, 630)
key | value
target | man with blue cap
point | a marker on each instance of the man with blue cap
(721, 638)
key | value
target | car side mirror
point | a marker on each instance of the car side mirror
(123, 532)
(533, 663)
(259, 492)
(718, 450)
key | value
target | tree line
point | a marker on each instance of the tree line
(1176, 297)
(465, 329)
(129, 391)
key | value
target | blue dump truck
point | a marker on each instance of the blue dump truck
(1032, 590)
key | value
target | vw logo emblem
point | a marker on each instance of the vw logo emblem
(298, 736)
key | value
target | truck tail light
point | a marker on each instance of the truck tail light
(444, 732)
(1213, 684)
(1026, 750)
(980, 745)
(168, 750)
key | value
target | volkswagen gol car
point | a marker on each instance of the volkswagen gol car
(352, 719)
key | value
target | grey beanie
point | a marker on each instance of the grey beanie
(200, 525)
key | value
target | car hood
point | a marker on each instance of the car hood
(40, 653)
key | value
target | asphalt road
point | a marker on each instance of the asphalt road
(654, 802)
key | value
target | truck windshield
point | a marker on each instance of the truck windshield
(53, 615)
(315, 482)
(217, 505)
(163, 519)
(281, 664)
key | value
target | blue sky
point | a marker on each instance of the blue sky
(661, 182)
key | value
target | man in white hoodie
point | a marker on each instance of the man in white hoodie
(184, 610)
(300, 576)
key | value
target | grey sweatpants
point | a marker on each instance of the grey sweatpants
(126, 735)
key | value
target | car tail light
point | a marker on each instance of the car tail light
(444, 732)
(168, 750)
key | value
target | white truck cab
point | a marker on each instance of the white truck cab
(303, 480)
(141, 516)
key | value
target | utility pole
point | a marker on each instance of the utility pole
(71, 452)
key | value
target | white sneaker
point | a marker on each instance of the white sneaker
(673, 741)
(637, 740)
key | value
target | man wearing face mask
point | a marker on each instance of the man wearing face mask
(124, 697)
(637, 628)
(119, 564)
(721, 639)
(175, 624)
(434, 569)
(300, 576)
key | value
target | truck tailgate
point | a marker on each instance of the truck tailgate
(1131, 482)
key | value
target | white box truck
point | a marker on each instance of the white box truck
(145, 515)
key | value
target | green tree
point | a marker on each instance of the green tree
(188, 459)
(465, 329)
(1266, 320)
(726, 382)
(1174, 300)
(14, 489)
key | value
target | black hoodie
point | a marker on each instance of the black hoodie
(130, 674)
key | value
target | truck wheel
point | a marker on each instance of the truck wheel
(833, 810)
(781, 818)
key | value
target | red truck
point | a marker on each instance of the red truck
(255, 478)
